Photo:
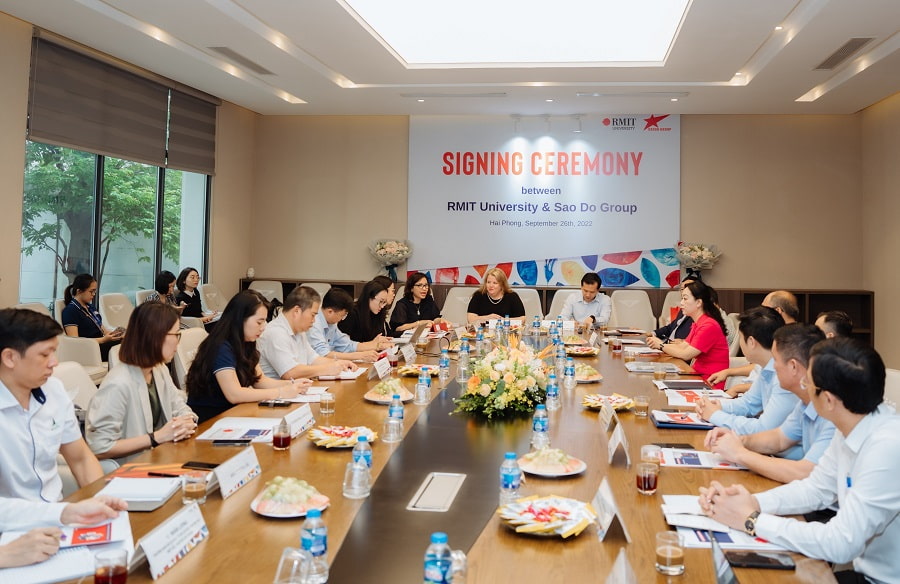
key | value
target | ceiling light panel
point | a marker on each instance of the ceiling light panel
(472, 33)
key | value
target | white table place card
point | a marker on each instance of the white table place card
(382, 368)
(172, 540)
(604, 504)
(237, 471)
(460, 332)
(608, 418)
(568, 327)
(593, 340)
(409, 354)
(622, 571)
(300, 420)
(618, 440)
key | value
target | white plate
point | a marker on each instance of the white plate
(314, 434)
(581, 468)
(592, 380)
(387, 400)
(303, 513)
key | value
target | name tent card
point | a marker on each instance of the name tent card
(409, 353)
(608, 418)
(604, 504)
(460, 332)
(568, 327)
(300, 420)
(237, 471)
(171, 540)
(622, 571)
(382, 369)
(593, 340)
(616, 441)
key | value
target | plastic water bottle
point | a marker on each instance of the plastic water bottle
(536, 325)
(395, 410)
(444, 366)
(552, 393)
(560, 360)
(510, 479)
(479, 342)
(559, 322)
(540, 426)
(499, 333)
(506, 324)
(553, 331)
(438, 559)
(462, 364)
(569, 379)
(422, 389)
(362, 452)
(427, 374)
(314, 539)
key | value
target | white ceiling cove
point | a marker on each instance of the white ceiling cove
(728, 56)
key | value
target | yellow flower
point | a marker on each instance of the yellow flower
(485, 390)
(509, 377)
(495, 376)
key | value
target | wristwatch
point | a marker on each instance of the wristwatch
(750, 523)
(153, 442)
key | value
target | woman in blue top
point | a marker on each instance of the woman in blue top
(226, 369)
(81, 319)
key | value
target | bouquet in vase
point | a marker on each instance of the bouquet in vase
(390, 253)
(694, 257)
(508, 381)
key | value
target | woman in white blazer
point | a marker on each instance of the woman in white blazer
(138, 405)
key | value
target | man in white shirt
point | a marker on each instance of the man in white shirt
(859, 471)
(330, 341)
(36, 414)
(284, 349)
(591, 308)
(803, 426)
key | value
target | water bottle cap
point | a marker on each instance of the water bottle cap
(396, 396)
(553, 375)
(541, 407)
(510, 456)
(313, 513)
(362, 439)
(438, 537)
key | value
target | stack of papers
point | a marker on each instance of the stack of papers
(685, 420)
(142, 494)
(683, 512)
(682, 384)
(344, 375)
(627, 341)
(690, 458)
(645, 367)
(312, 395)
(688, 397)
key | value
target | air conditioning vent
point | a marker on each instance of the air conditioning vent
(241, 60)
(843, 53)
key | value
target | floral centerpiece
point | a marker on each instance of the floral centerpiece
(506, 382)
(390, 253)
(694, 257)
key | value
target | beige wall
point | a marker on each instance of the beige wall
(881, 204)
(15, 59)
(325, 188)
(231, 236)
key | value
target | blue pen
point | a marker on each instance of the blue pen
(849, 482)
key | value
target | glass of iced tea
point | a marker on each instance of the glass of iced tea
(647, 478)
(641, 406)
(281, 435)
(193, 487)
(111, 567)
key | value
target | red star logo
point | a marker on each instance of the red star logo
(606, 121)
(653, 121)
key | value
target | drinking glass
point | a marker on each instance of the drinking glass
(641, 406)
(669, 553)
(647, 478)
(326, 404)
(111, 567)
(293, 567)
(193, 487)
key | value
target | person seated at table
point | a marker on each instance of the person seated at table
(858, 472)
(835, 323)
(138, 406)
(226, 369)
(164, 291)
(494, 299)
(391, 288)
(285, 350)
(81, 319)
(706, 345)
(366, 320)
(36, 414)
(766, 405)
(328, 340)
(678, 328)
(803, 426)
(187, 282)
(591, 308)
(417, 306)
(42, 542)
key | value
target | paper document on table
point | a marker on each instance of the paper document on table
(681, 420)
(645, 367)
(729, 540)
(234, 428)
(682, 384)
(141, 490)
(313, 392)
(627, 341)
(696, 459)
(344, 375)
(688, 397)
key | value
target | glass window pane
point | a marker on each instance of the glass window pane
(184, 217)
(57, 220)
(127, 227)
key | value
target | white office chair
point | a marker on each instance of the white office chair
(115, 309)
(532, 301)
(271, 289)
(211, 298)
(735, 379)
(141, 296)
(673, 298)
(35, 306)
(323, 287)
(85, 352)
(892, 387)
(77, 381)
(631, 309)
(734, 343)
(58, 306)
(400, 291)
(113, 358)
(456, 303)
(186, 351)
(559, 300)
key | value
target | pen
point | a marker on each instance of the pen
(162, 474)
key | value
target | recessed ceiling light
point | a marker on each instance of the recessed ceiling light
(549, 100)
(420, 100)
(738, 74)
(779, 27)
(674, 99)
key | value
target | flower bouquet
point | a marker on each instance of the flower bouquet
(506, 382)
(390, 253)
(694, 257)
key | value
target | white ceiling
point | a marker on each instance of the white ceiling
(727, 59)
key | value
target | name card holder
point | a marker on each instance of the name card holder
(592, 342)
(237, 471)
(381, 369)
(622, 571)
(171, 540)
(459, 331)
(300, 420)
(604, 504)
(617, 441)
(409, 353)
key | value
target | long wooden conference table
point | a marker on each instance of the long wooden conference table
(378, 540)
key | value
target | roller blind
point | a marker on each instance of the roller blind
(192, 134)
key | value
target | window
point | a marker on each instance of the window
(138, 231)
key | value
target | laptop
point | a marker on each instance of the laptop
(412, 338)
(724, 571)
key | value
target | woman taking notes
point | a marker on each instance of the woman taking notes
(226, 369)
(365, 321)
(81, 319)
(706, 344)
(495, 299)
(417, 305)
(138, 406)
